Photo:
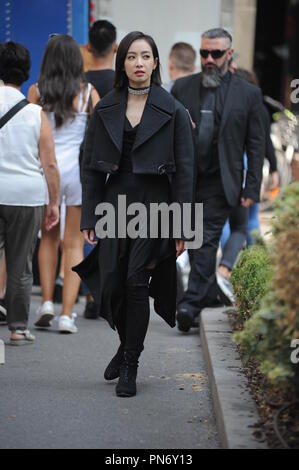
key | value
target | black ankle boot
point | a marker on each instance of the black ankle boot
(126, 386)
(112, 370)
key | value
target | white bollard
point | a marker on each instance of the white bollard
(2, 352)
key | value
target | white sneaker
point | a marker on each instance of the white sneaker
(45, 315)
(66, 325)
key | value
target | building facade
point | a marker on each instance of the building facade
(169, 21)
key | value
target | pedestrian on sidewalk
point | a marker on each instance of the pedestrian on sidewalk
(181, 63)
(102, 47)
(227, 113)
(141, 137)
(67, 100)
(242, 221)
(26, 149)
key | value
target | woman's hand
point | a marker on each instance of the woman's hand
(89, 236)
(180, 247)
(52, 216)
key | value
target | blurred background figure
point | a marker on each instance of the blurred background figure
(27, 149)
(238, 230)
(181, 63)
(68, 100)
(102, 47)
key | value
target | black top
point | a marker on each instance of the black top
(220, 97)
(102, 80)
(130, 132)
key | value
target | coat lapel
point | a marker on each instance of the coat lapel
(230, 97)
(157, 112)
(195, 98)
(112, 112)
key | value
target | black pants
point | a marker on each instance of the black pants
(202, 286)
(132, 325)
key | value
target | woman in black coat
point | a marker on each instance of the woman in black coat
(138, 146)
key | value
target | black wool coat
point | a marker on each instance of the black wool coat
(163, 145)
(242, 129)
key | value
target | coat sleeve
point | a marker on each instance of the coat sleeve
(255, 147)
(93, 181)
(183, 181)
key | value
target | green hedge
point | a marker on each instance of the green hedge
(271, 328)
(251, 280)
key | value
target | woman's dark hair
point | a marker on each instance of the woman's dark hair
(61, 76)
(121, 79)
(15, 63)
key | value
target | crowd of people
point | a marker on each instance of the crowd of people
(88, 134)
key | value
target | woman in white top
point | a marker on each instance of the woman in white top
(26, 148)
(67, 101)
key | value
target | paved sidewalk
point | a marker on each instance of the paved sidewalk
(53, 394)
(236, 411)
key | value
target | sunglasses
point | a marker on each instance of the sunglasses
(216, 54)
(53, 35)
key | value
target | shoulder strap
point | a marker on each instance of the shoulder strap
(80, 103)
(12, 112)
(87, 98)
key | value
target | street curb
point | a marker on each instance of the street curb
(236, 412)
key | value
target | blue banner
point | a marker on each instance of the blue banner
(30, 22)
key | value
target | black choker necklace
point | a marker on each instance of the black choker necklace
(138, 91)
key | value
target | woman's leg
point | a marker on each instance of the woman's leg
(112, 370)
(73, 255)
(137, 320)
(62, 264)
(137, 311)
(47, 259)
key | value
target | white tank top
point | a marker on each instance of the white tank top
(69, 136)
(21, 180)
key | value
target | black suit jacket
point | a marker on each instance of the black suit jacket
(163, 145)
(241, 129)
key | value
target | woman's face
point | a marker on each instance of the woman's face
(140, 64)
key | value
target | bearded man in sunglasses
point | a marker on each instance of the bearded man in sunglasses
(227, 120)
